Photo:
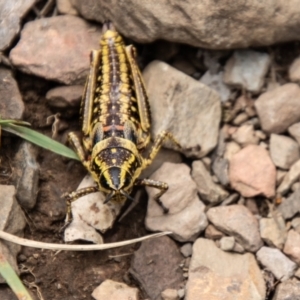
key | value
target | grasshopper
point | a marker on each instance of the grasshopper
(116, 124)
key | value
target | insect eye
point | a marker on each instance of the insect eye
(103, 183)
(127, 182)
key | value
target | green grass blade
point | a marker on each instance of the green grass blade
(38, 139)
(13, 280)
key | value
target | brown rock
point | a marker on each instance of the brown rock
(156, 266)
(37, 51)
(291, 247)
(294, 70)
(288, 290)
(252, 172)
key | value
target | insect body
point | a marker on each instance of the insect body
(115, 123)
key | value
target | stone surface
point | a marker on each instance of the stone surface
(186, 250)
(37, 51)
(215, 274)
(296, 224)
(169, 294)
(290, 178)
(294, 131)
(291, 247)
(288, 290)
(186, 217)
(11, 104)
(222, 25)
(12, 220)
(66, 7)
(273, 231)
(284, 151)
(252, 172)
(215, 81)
(11, 13)
(231, 149)
(90, 215)
(245, 135)
(237, 221)
(246, 69)
(279, 108)
(276, 262)
(155, 265)
(201, 116)
(212, 233)
(294, 70)
(26, 174)
(208, 190)
(227, 243)
(220, 168)
(290, 206)
(111, 290)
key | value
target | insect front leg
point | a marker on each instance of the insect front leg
(156, 184)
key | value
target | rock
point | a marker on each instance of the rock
(296, 224)
(65, 96)
(279, 176)
(215, 81)
(237, 221)
(291, 247)
(279, 109)
(218, 27)
(295, 186)
(66, 7)
(240, 118)
(227, 243)
(233, 198)
(155, 266)
(212, 233)
(294, 70)
(214, 274)
(26, 173)
(186, 217)
(11, 14)
(238, 248)
(276, 262)
(11, 104)
(167, 88)
(220, 168)
(12, 220)
(245, 135)
(284, 151)
(36, 52)
(290, 206)
(297, 273)
(252, 172)
(273, 231)
(181, 293)
(247, 69)
(208, 190)
(288, 290)
(291, 177)
(231, 149)
(164, 155)
(111, 290)
(294, 131)
(169, 294)
(91, 214)
(186, 250)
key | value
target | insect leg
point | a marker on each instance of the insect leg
(162, 186)
(76, 145)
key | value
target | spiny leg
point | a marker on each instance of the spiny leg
(158, 144)
(156, 184)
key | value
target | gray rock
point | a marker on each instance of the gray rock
(284, 151)
(208, 190)
(290, 206)
(26, 175)
(181, 293)
(111, 290)
(279, 109)
(218, 28)
(227, 243)
(11, 104)
(215, 274)
(11, 14)
(237, 221)
(273, 231)
(233, 198)
(215, 81)
(186, 217)
(12, 220)
(288, 290)
(167, 88)
(186, 250)
(36, 52)
(296, 224)
(291, 247)
(246, 69)
(220, 168)
(279, 176)
(290, 178)
(276, 262)
(294, 131)
(245, 135)
(169, 294)
(155, 266)
(294, 70)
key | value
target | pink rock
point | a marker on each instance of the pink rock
(252, 172)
